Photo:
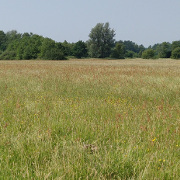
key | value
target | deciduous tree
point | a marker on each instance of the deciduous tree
(80, 49)
(101, 41)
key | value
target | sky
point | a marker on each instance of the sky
(142, 21)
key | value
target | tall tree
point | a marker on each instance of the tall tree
(101, 40)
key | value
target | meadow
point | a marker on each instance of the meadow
(90, 119)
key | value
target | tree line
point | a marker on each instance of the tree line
(101, 44)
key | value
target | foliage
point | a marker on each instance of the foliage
(2, 41)
(68, 48)
(101, 41)
(13, 35)
(8, 55)
(175, 44)
(119, 51)
(155, 47)
(101, 44)
(50, 50)
(176, 53)
(164, 50)
(131, 46)
(148, 54)
(80, 49)
(132, 49)
(130, 54)
(141, 49)
(29, 47)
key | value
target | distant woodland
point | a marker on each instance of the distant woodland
(101, 44)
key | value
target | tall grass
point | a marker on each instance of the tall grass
(89, 119)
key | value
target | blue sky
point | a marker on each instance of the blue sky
(143, 21)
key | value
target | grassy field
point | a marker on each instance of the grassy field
(90, 119)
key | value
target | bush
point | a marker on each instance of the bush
(148, 54)
(176, 53)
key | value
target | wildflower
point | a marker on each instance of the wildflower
(154, 139)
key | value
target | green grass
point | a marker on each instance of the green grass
(89, 119)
